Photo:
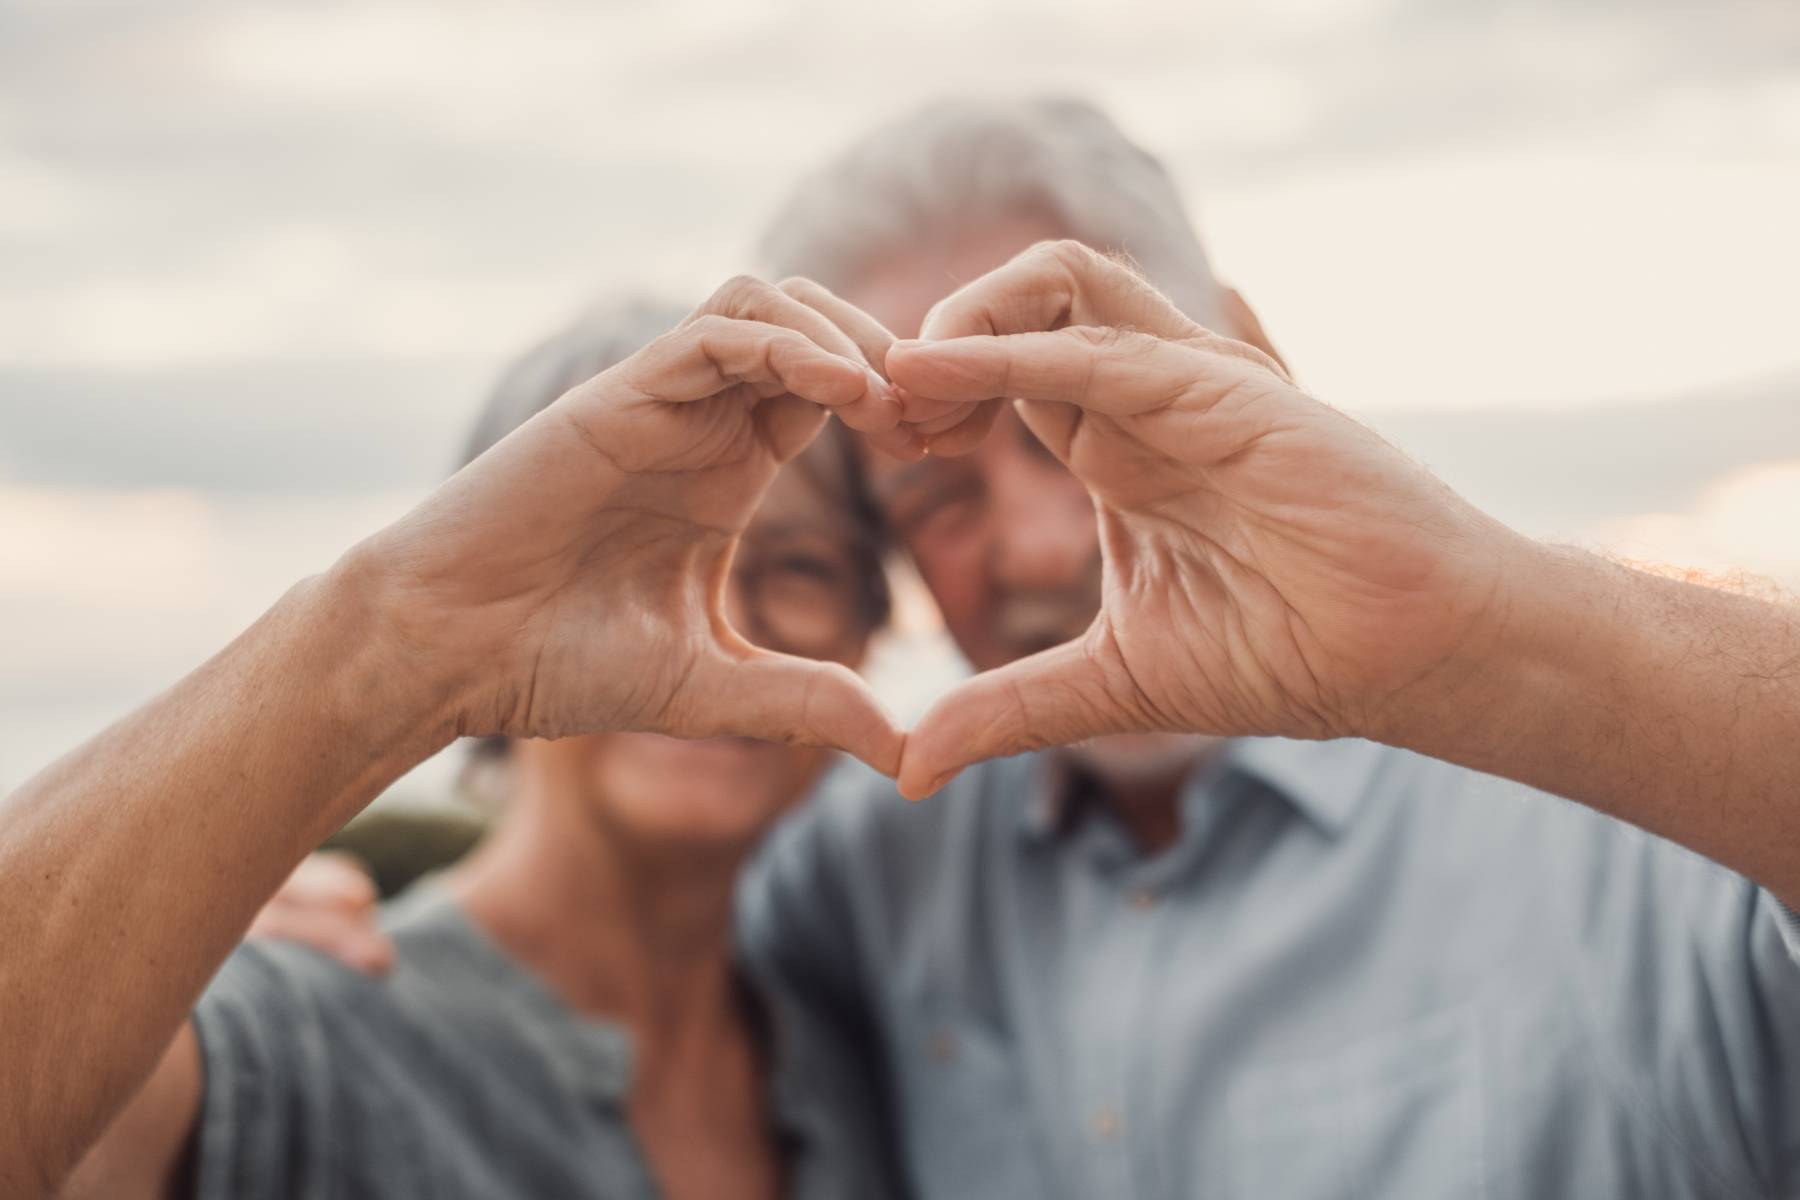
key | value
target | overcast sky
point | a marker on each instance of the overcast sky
(258, 261)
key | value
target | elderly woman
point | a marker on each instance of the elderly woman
(565, 1015)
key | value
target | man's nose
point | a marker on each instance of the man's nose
(1041, 537)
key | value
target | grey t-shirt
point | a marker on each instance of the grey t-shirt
(461, 1075)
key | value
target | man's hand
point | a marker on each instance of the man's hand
(329, 903)
(571, 580)
(1271, 566)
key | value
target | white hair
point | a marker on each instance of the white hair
(958, 164)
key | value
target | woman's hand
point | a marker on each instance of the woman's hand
(571, 580)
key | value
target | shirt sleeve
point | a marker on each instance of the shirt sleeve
(271, 1052)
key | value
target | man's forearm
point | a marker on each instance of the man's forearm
(1668, 704)
(130, 868)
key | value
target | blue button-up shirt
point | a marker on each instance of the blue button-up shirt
(1358, 972)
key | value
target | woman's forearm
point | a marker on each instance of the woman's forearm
(130, 868)
(557, 585)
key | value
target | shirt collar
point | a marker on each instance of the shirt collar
(1057, 794)
(1324, 781)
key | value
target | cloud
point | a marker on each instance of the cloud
(285, 425)
(1583, 473)
(262, 259)
(109, 595)
(1744, 522)
(1547, 277)
(297, 291)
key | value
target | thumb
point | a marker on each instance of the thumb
(1052, 698)
(797, 701)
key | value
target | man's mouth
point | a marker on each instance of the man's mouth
(1028, 625)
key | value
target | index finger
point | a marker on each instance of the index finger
(1112, 371)
(869, 335)
(712, 353)
(1052, 285)
(746, 298)
(872, 339)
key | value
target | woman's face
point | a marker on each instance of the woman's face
(796, 586)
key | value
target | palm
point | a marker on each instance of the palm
(1270, 565)
(1278, 569)
(681, 504)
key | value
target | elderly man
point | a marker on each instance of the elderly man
(1170, 965)
(1261, 967)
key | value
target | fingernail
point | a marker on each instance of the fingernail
(901, 442)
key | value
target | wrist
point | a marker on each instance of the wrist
(391, 704)
(1527, 658)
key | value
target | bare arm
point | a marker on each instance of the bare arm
(129, 869)
(146, 1152)
(1671, 705)
(564, 583)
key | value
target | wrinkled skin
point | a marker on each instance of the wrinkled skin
(1270, 566)
(575, 574)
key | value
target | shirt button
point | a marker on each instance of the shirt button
(940, 1046)
(1106, 1124)
(1142, 898)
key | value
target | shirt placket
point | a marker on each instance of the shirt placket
(1107, 997)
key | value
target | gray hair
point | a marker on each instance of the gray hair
(958, 163)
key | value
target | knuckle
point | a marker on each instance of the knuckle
(803, 289)
(1232, 348)
(1124, 342)
(740, 293)
(1106, 337)
(708, 324)
(1069, 252)
(1073, 258)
